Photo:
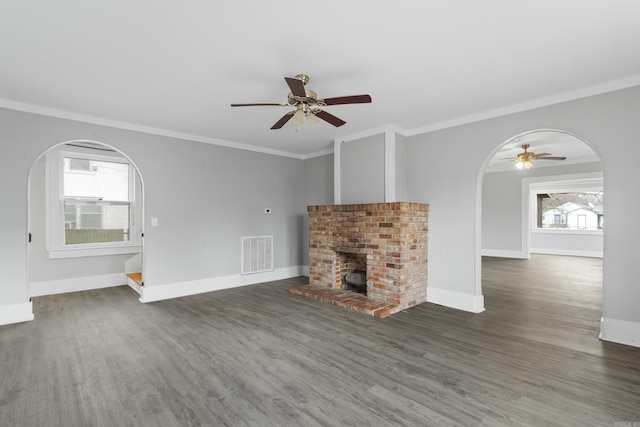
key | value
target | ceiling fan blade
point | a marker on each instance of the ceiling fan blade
(296, 86)
(284, 119)
(550, 158)
(340, 100)
(263, 104)
(329, 118)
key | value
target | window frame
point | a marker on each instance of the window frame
(568, 186)
(56, 245)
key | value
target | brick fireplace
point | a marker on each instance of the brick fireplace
(387, 242)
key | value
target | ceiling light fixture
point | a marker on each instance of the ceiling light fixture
(526, 164)
(304, 114)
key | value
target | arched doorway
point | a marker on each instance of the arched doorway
(85, 213)
(509, 215)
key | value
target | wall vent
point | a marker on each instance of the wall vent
(257, 254)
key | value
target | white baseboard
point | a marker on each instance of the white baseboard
(133, 285)
(193, 287)
(77, 284)
(504, 254)
(567, 252)
(458, 300)
(305, 270)
(620, 331)
(16, 313)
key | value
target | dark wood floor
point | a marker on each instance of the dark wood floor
(260, 356)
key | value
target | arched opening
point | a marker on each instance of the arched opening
(85, 216)
(535, 217)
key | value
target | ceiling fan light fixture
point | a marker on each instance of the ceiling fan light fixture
(298, 120)
(528, 165)
(519, 164)
(312, 120)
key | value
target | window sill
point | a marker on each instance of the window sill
(567, 231)
(87, 252)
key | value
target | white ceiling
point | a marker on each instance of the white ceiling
(174, 67)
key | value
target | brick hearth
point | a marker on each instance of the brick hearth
(389, 240)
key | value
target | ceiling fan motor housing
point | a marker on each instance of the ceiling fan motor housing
(311, 98)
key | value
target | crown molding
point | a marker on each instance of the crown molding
(530, 105)
(62, 114)
(489, 114)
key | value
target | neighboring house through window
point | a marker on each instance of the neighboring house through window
(571, 210)
(570, 203)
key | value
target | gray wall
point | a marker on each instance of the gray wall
(502, 211)
(362, 170)
(205, 197)
(452, 184)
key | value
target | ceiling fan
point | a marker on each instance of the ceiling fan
(305, 102)
(524, 159)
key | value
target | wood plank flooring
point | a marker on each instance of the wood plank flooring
(261, 356)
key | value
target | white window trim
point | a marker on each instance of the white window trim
(56, 247)
(574, 184)
(572, 232)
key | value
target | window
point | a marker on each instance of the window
(91, 204)
(582, 210)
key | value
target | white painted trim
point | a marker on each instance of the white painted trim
(52, 112)
(389, 166)
(530, 105)
(305, 270)
(193, 287)
(458, 300)
(337, 193)
(16, 313)
(504, 254)
(567, 252)
(567, 232)
(95, 251)
(133, 285)
(317, 154)
(372, 132)
(620, 331)
(498, 112)
(76, 284)
(525, 214)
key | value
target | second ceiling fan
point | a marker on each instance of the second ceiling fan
(523, 160)
(306, 102)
